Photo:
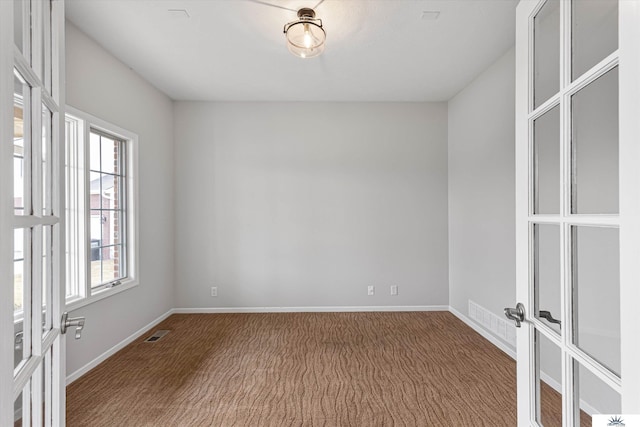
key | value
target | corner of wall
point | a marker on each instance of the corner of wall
(481, 197)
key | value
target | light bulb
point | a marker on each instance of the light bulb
(307, 36)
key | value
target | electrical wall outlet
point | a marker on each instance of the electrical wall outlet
(371, 290)
(394, 289)
(214, 291)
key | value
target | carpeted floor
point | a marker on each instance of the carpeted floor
(305, 369)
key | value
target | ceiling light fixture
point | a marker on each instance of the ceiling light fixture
(305, 37)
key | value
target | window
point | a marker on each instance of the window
(101, 220)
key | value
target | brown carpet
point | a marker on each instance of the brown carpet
(304, 369)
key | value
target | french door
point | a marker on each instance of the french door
(31, 212)
(577, 210)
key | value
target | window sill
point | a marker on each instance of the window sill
(74, 304)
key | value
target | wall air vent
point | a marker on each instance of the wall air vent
(157, 335)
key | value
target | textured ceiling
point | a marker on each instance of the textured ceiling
(234, 50)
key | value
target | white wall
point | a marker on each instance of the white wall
(305, 204)
(482, 191)
(100, 85)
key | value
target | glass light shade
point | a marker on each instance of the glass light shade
(305, 38)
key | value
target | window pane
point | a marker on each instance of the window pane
(97, 221)
(596, 300)
(109, 155)
(595, 146)
(95, 190)
(96, 268)
(94, 152)
(112, 267)
(111, 228)
(110, 193)
(106, 244)
(547, 274)
(22, 94)
(546, 167)
(546, 42)
(594, 33)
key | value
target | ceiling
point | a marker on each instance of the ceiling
(234, 50)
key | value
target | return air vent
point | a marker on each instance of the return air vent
(157, 335)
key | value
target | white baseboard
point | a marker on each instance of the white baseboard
(486, 334)
(113, 350)
(311, 309)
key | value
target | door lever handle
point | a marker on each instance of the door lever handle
(515, 314)
(68, 322)
(547, 315)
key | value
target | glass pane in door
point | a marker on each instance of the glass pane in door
(17, 411)
(47, 171)
(546, 274)
(596, 293)
(594, 33)
(47, 277)
(548, 382)
(22, 348)
(546, 52)
(594, 140)
(47, 390)
(21, 137)
(593, 396)
(546, 162)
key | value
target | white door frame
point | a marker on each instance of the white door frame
(40, 341)
(629, 40)
(628, 59)
(6, 212)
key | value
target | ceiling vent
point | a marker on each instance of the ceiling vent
(430, 15)
(179, 13)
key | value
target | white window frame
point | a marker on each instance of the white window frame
(78, 227)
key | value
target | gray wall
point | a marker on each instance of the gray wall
(306, 204)
(482, 190)
(100, 85)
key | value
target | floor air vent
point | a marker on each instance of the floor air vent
(157, 335)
